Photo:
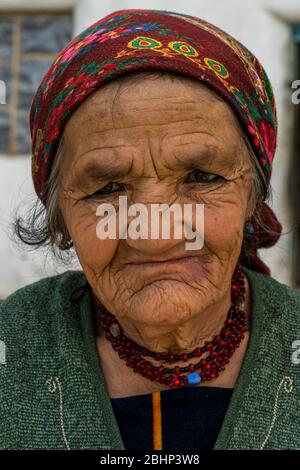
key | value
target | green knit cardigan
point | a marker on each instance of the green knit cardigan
(53, 393)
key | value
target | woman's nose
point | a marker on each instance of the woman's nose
(155, 227)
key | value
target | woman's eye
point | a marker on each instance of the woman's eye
(198, 176)
(109, 189)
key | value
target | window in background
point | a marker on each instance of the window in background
(295, 167)
(28, 45)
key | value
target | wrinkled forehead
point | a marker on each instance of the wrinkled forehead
(152, 99)
(178, 122)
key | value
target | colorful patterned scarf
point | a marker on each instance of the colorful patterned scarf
(137, 40)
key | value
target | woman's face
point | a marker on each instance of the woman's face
(164, 141)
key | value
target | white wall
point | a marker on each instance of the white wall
(262, 25)
(18, 266)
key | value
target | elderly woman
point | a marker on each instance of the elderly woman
(152, 345)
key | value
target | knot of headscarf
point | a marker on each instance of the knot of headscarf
(140, 39)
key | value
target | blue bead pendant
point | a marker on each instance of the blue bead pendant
(194, 378)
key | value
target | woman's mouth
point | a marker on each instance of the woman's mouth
(189, 265)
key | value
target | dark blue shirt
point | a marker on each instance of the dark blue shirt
(190, 417)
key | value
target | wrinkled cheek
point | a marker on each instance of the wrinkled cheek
(93, 253)
(223, 232)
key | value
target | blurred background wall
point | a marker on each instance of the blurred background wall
(31, 35)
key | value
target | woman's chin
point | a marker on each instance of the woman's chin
(166, 302)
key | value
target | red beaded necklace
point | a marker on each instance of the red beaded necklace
(214, 354)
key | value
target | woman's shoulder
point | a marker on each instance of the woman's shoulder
(272, 284)
(37, 322)
(59, 282)
(36, 299)
(276, 299)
